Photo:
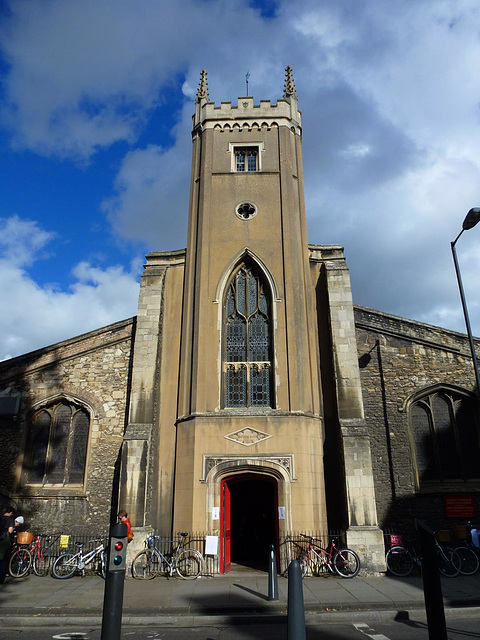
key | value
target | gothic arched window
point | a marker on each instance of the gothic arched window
(57, 443)
(247, 353)
(445, 434)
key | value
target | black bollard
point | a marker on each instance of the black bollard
(272, 574)
(114, 583)
(432, 587)
(295, 608)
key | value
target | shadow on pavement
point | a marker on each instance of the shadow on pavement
(255, 593)
(404, 618)
(238, 605)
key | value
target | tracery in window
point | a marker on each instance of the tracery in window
(247, 341)
(246, 159)
(446, 438)
(246, 211)
(57, 443)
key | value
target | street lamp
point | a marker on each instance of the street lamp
(471, 219)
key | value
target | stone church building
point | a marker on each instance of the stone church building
(249, 398)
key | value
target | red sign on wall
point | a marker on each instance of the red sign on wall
(460, 506)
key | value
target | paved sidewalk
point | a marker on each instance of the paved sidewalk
(227, 598)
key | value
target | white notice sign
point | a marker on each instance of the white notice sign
(211, 545)
(216, 513)
(281, 513)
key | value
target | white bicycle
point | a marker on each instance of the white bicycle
(66, 565)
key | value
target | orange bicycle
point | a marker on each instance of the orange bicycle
(343, 562)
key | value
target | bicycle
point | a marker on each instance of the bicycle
(152, 562)
(20, 559)
(24, 558)
(343, 562)
(465, 548)
(401, 561)
(41, 558)
(66, 565)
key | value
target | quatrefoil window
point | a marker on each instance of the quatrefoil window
(246, 211)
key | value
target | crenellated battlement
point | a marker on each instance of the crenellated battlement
(247, 114)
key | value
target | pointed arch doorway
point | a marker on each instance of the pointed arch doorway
(248, 517)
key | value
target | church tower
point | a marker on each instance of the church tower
(249, 424)
(235, 338)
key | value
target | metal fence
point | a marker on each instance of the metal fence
(290, 546)
(55, 544)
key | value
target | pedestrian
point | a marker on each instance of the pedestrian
(7, 525)
(123, 517)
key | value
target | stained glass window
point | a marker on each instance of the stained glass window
(247, 350)
(57, 447)
(446, 438)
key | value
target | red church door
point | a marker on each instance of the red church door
(226, 523)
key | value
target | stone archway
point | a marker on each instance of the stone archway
(256, 487)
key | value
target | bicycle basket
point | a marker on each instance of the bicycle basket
(24, 537)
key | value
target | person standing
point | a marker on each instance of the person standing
(7, 524)
(123, 517)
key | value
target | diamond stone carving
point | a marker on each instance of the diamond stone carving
(248, 436)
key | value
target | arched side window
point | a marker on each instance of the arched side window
(446, 439)
(56, 449)
(247, 342)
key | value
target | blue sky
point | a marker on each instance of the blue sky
(96, 99)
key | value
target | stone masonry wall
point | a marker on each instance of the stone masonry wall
(94, 370)
(398, 358)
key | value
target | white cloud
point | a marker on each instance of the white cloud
(22, 240)
(151, 196)
(85, 74)
(390, 99)
(35, 316)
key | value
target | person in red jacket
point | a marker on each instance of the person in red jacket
(123, 517)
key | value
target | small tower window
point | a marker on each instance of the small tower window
(246, 159)
(246, 211)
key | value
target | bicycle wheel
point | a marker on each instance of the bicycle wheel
(448, 562)
(102, 566)
(346, 563)
(188, 564)
(41, 563)
(468, 561)
(20, 562)
(146, 565)
(399, 561)
(65, 566)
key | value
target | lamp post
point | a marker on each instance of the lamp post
(471, 219)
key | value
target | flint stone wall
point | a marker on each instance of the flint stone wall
(398, 358)
(93, 369)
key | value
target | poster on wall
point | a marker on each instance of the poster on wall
(211, 545)
(460, 505)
